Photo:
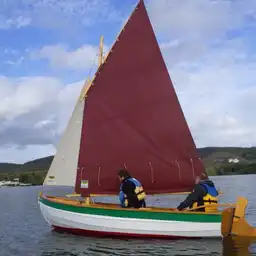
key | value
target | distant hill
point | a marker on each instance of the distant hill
(214, 155)
(40, 164)
(4, 167)
(216, 159)
(212, 152)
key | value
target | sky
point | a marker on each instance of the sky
(49, 47)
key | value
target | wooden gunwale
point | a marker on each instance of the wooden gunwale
(109, 206)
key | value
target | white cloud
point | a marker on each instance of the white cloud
(218, 103)
(26, 94)
(60, 57)
(200, 19)
(15, 62)
(14, 22)
(34, 112)
(14, 154)
(216, 93)
(55, 14)
(87, 12)
(189, 29)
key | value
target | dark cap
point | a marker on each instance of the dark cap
(123, 173)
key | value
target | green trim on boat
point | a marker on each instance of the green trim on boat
(197, 217)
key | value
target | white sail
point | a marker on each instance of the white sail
(63, 169)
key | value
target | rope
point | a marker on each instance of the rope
(178, 168)
(152, 172)
(99, 176)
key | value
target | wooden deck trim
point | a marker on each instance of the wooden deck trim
(109, 206)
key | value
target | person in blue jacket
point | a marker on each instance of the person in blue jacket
(131, 191)
(204, 194)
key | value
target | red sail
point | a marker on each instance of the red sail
(132, 119)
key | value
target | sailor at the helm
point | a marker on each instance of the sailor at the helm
(204, 193)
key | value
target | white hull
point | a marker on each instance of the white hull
(128, 226)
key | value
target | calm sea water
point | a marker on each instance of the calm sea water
(23, 231)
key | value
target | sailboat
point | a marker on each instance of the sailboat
(127, 116)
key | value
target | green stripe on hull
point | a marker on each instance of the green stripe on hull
(195, 217)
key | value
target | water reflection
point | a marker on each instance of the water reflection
(56, 244)
(238, 246)
(66, 244)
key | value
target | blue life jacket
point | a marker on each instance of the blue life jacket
(211, 197)
(138, 191)
(211, 190)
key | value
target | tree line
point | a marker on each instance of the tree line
(33, 178)
(232, 169)
(37, 177)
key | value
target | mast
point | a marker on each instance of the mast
(133, 119)
(101, 52)
(100, 62)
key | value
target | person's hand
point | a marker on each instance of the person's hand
(181, 206)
